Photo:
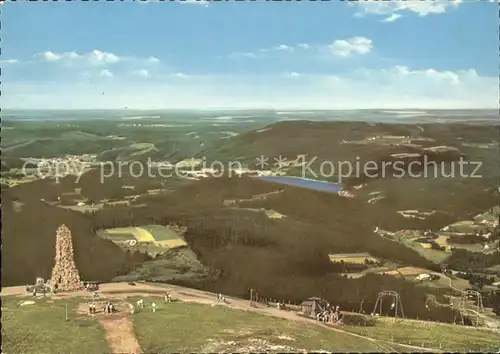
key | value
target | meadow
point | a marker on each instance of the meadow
(192, 327)
(202, 328)
(160, 236)
(450, 338)
(41, 328)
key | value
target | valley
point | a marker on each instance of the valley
(273, 228)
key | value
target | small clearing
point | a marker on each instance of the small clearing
(352, 257)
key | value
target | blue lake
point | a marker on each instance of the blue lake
(304, 183)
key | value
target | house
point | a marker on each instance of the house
(312, 306)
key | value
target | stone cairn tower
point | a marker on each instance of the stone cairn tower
(65, 276)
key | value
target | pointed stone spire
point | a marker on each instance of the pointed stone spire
(65, 276)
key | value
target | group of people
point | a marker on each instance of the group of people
(221, 298)
(109, 308)
(90, 286)
(140, 303)
(92, 310)
(281, 306)
(329, 314)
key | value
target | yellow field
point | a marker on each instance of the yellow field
(142, 235)
(442, 241)
(139, 234)
(425, 245)
(172, 243)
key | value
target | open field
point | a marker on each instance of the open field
(160, 236)
(468, 227)
(41, 328)
(491, 215)
(407, 239)
(406, 271)
(142, 235)
(208, 328)
(434, 256)
(358, 258)
(220, 329)
(445, 282)
(197, 323)
(427, 334)
(161, 233)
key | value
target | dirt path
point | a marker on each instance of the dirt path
(119, 329)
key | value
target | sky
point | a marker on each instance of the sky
(252, 54)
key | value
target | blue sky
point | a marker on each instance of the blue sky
(338, 55)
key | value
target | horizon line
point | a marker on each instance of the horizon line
(250, 109)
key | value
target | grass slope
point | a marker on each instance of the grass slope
(430, 335)
(41, 328)
(180, 327)
(190, 327)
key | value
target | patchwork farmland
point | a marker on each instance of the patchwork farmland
(157, 236)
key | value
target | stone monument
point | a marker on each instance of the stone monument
(65, 276)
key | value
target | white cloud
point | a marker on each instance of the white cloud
(354, 45)
(106, 73)
(95, 57)
(140, 73)
(51, 56)
(284, 48)
(422, 8)
(180, 76)
(99, 57)
(8, 61)
(394, 87)
(264, 52)
(153, 60)
(292, 75)
(247, 55)
(195, 2)
(431, 76)
(392, 18)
